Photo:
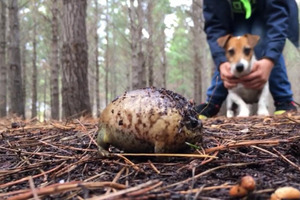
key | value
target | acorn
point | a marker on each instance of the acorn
(248, 183)
(285, 193)
(237, 191)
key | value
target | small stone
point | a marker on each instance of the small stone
(15, 125)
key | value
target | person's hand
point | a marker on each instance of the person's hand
(259, 75)
(229, 80)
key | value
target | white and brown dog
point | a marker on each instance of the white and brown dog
(240, 54)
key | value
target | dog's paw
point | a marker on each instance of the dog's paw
(230, 113)
(263, 112)
(244, 113)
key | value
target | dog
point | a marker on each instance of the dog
(240, 54)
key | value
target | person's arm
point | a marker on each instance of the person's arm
(277, 21)
(217, 17)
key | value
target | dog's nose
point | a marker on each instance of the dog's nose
(239, 67)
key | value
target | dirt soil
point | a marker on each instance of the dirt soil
(59, 160)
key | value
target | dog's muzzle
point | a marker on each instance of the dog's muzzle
(239, 67)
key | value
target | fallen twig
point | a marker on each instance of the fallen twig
(38, 154)
(287, 160)
(33, 189)
(206, 172)
(27, 178)
(116, 179)
(224, 186)
(168, 155)
(153, 167)
(130, 163)
(127, 191)
(63, 187)
(246, 143)
(264, 150)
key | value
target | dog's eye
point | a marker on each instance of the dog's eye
(247, 51)
(231, 52)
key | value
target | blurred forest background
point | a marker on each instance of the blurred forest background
(64, 58)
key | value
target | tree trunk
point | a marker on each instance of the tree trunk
(14, 65)
(45, 91)
(205, 66)
(3, 70)
(113, 70)
(196, 51)
(75, 91)
(54, 76)
(34, 67)
(163, 58)
(113, 58)
(141, 55)
(200, 64)
(24, 71)
(137, 55)
(97, 88)
(150, 46)
(106, 54)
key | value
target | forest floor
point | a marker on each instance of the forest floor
(55, 160)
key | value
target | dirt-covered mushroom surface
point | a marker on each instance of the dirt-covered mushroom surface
(60, 160)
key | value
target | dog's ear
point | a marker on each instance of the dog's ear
(253, 39)
(222, 41)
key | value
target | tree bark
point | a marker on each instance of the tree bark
(113, 70)
(106, 54)
(196, 51)
(97, 88)
(206, 68)
(200, 64)
(14, 61)
(137, 55)
(34, 67)
(150, 46)
(24, 71)
(113, 58)
(75, 91)
(54, 64)
(45, 91)
(163, 57)
(3, 69)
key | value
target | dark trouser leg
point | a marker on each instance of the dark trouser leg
(280, 86)
(216, 93)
